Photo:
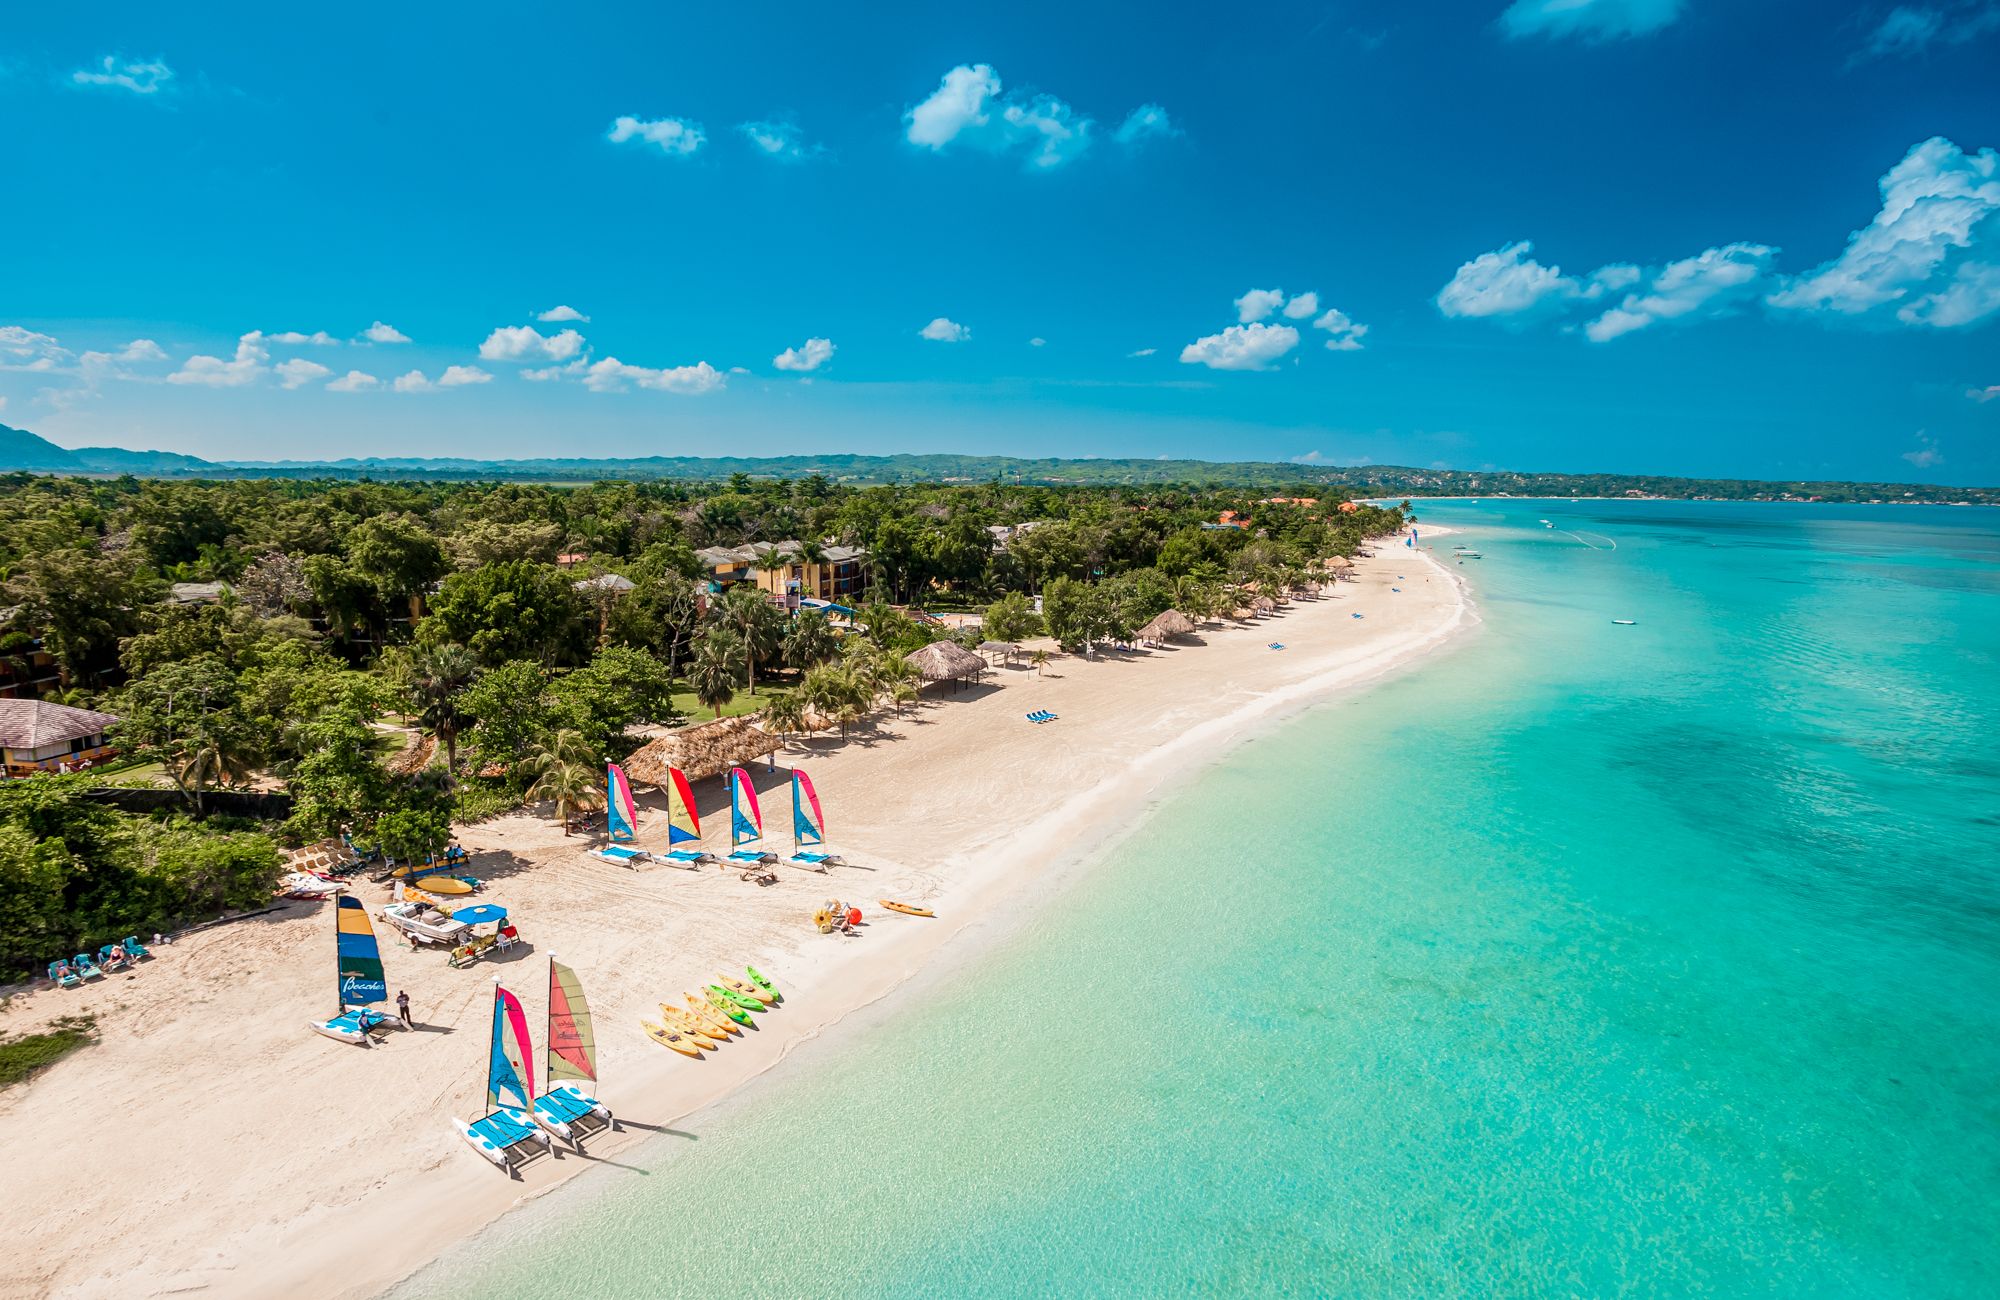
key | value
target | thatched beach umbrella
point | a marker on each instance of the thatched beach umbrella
(946, 661)
(1167, 624)
(1005, 649)
(1265, 605)
(703, 750)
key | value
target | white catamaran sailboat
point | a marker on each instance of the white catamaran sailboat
(808, 827)
(745, 827)
(358, 967)
(505, 1135)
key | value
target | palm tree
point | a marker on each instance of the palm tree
(756, 624)
(1040, 660)
(809, 640)
(212, 759)
(900, 694)
(565, 773)
(785, 714)
(712, 673)
(436, 677)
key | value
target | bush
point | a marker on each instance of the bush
(478, 799)
(23, 1057)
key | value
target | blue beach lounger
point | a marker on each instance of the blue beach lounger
(134, 949)
(84, 966)
(108, 961)
(1354, 616)
(1277, 645)
(63, 975)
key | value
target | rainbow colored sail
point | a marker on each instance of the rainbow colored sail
(621, 815)
(682, 824)
(572, 1044)
(356, 957)
(510, 1079)
(742, 794)
(808, 822)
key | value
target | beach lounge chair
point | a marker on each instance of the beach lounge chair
(134, 949)
(1355, 615)
(63, 975)
(1277, 645)
(84, 966)
(112, 957)
(759, 874)
(506, 1137)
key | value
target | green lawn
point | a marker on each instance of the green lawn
(686, 704)
(21, 1057)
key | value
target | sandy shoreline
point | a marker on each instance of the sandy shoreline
(210, 1144)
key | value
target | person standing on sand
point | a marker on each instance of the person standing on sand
(403, 1009)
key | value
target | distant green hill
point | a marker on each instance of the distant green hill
(21, 450)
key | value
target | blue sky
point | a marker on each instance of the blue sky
(1756, 239)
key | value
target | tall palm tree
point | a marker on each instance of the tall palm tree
(712, 673)
(758, 626)
(436, 679)
(565, 772)
(785, 714)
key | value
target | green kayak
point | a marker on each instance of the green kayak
(721, 1000)
(743, 1000)
(757, 978)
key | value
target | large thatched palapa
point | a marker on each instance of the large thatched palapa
(1166, 624)
(1264, 605)
(946, 661)
(702, 750)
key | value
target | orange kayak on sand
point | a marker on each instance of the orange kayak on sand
(907, 909)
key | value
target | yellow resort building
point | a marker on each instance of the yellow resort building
(781, 571)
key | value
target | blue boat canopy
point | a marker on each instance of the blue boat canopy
(479, 913)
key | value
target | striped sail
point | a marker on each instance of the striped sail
(742, 828)
(621, 816)
(356, 957)
(510, 1079)
(808, 822)
(572, 1044)
(682, 824)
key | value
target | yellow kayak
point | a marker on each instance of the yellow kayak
(746, 988)
(681, 1022)
(907, 909)
(706, 1013)
(443, 885)
(670, 1038)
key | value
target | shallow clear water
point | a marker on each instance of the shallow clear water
(1582, 960)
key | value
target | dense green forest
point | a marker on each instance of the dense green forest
(397, 656)
(22, 450)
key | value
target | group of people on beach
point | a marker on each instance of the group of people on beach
(112, 956)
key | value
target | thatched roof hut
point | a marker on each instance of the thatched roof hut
(1005, 649)
(946, 661)
(1242, 615)
(1264, 605)
(702, 750)
(1167, 623)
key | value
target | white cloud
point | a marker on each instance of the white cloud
(810, 355)
(675, 138)
(250, 364)
(1592, 20)
(31, 351)
(1711, 283)
(1142, 352)
(146, 77)
(297, 372)
(562, 314)
(1932, 253)
(943, 330)
(1242, 347)
(960, 103)
(782, 141)
(460, 376)
(1926, 455)
(380, 333)
(1257, 304)
(1505, 282)
(525, 343)
(1302, 306)
(549, 373)
(1912, 29)
(97, 366)
(354, 381)
(611, 375)
(1038, 342)
(1345, 334)
(1146, 122)
(318, 338)
(970, 107)
(1987, 394)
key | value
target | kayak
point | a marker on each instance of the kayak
(907, 909)
(757, 978)
(443, 885)
(745, 988)
(668, 1038)
(705, 1012)
(681, 1022)
(742, 1000)
(727, 1006)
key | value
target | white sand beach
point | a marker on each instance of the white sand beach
(210, 1144)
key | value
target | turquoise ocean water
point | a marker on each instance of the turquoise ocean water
(1582, 960)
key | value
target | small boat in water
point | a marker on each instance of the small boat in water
(1625, 622)
(1546, 524)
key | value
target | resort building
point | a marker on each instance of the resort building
(781, 571)
(38, 736)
